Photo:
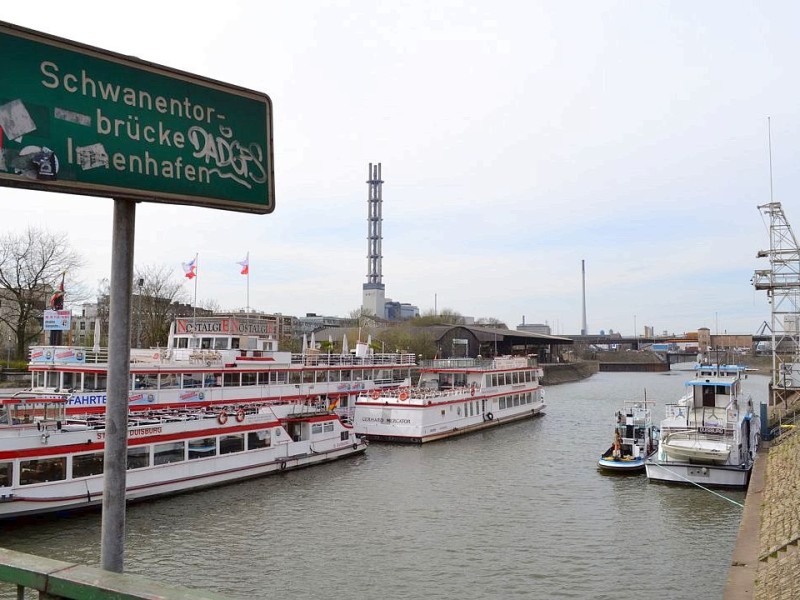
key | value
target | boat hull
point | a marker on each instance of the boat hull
(707, 475)
(623, 465)
(87, 493)
(449, 431)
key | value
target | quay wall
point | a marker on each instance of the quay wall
(636, 367)
(567, 372)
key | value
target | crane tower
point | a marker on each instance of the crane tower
(782, 284)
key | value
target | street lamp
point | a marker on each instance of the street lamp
(8, 352)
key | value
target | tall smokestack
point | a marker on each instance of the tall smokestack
(584, 330)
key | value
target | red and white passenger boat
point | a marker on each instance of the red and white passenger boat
(50, 462)
(218, 361)
(453, 397)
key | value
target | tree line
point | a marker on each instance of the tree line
(34, 262)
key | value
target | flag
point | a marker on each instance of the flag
(190, 268)
(245, 265)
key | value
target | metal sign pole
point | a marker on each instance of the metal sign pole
(112, 546)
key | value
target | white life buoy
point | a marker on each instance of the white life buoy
(222, 418)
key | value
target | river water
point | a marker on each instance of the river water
(516, 512)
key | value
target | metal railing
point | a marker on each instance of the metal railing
(58, 580)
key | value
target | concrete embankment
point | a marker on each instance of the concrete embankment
(567, 372)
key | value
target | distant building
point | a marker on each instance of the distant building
(542, 328)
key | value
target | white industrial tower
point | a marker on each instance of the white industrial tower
(374, 291)
(782, 284)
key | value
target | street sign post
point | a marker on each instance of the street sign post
(82, 120)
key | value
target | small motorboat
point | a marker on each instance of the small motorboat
(634, 439)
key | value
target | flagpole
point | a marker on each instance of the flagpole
(194, 304)
(248, 282)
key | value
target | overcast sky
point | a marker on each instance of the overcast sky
(516, 139)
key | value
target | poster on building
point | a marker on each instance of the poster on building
(57, 320)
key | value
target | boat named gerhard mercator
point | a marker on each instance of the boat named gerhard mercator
(453, 397)
(710, 437)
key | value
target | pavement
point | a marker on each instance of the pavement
(766, 560)
(744, 563)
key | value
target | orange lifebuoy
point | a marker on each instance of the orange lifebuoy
(222, 418)
(375, 394)
(240, 415)
(403, 395)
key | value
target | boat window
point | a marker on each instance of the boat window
(335, 376)
(84, 465)
(138, 457)
(202, 447)
(294, 377)
(41, 470)
(248, 378)
(181, 343)
(502, 402)
(328, 427)
(220, 343)
(206, 343)
(5, 474)
(231, 443)
(231, 380)
(280, 377)
(344, 436)
(515, 377)
(308, 376)
(344, 375)
(168, 453)
(263, 378)
(213, 379)
(258, 439)
(316, 428)
(168, 382)
(69, 381)
(192, 380)
(101, 384)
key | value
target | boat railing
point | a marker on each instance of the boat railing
(487, 364)
(346, 360)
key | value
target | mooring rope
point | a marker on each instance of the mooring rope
(698, 485)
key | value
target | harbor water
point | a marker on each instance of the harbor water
(519, 511)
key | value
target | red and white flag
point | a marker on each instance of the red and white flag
(245, 264)
(190, 268)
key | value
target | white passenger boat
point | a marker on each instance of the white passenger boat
(452, 397)
(635, 437)
(50, 462)
(217, 361)
(710, 437)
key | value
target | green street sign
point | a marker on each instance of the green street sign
(82, 120)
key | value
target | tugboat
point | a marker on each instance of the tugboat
(635, 437)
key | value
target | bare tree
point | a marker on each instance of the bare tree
(446, 316)
(491, 322)
(31, 267)
(153, 304)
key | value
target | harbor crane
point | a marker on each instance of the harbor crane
(782, 284)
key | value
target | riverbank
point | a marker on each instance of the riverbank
(555, 374)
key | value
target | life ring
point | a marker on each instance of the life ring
(355, 446)
(283, 466)
(375, 394)
(472, 391)
(403, 395)
(489, 416)
(240, 415)
(222, 418)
